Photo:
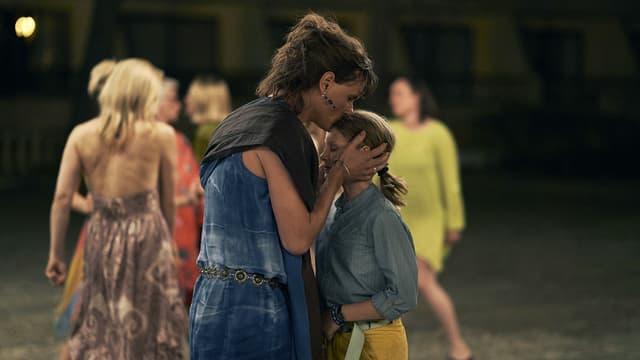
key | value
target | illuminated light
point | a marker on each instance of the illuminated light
(25, 26)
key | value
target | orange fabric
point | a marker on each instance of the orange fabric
(187, 229)
(74, 276)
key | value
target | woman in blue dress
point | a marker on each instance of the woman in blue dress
(263, 209)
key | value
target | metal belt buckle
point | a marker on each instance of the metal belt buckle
(240, 276)
(257, 279)
(224, 274)
(347, 327)
(206, 272)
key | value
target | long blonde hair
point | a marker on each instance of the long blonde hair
(130, 94)
(210, 99)
(378, 132)
(98, 77)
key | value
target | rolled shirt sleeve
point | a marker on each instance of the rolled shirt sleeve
(396, 258)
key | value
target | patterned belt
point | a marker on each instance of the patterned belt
(239, 275)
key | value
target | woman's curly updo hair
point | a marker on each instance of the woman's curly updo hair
(314, 46)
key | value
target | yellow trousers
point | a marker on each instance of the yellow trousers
(385, 342)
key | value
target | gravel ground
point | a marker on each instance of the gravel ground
(548, 269)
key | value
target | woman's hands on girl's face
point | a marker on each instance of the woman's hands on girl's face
(334, 144)
(362, 162)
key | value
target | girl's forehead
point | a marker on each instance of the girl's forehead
(335, 136)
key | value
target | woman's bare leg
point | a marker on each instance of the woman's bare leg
(443, 309)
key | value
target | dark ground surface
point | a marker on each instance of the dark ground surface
(548, 269)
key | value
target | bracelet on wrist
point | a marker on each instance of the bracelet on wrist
(336, 315)
(346, 168)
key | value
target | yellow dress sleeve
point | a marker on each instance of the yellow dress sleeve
(202, 138)
(449, 176)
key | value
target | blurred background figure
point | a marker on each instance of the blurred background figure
(207, 103)
(129, 299)
(426, 157)
(67, 309)
(187, 230)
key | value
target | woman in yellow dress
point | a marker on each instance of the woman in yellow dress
(425, 156)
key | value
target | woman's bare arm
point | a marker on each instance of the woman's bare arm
(298, 227)
(67, 184)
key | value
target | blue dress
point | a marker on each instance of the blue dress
(232, 320)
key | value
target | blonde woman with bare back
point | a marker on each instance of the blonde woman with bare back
(68, 306)
(130, 305)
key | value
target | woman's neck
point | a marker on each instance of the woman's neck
(354, 189)
(305, 114)
(413, 120)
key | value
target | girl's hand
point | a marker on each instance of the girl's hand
(82, 204)
(329, 327)
(196, 190)
(88, 204)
